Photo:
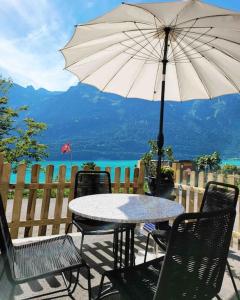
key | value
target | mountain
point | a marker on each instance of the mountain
(107, 126)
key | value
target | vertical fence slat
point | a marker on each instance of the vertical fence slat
(127, 180)
(210, 176)
(201, 186)
(59, 199)
(117, 177)
(191, 192)
(140, 183)
(220, 178)
(1, 162)
(71, 192)
(135, 180)
(32, 199)
(46, 199)
(184, 191)
(4, 182)
(18, 196)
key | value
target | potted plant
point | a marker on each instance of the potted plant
(167, 173)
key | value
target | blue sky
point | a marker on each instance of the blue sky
(32, 32)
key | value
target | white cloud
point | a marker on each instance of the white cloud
(29, 45)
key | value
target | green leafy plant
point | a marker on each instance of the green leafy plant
(230, 169)
(90, 164)
(149, 159)
(18, 143)
(209, 162)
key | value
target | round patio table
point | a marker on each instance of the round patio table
(126, 210)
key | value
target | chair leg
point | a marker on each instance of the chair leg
(81, 245)
(69, 225)
(100, 287)
(146, 249)
(233, 281)
(89, 284)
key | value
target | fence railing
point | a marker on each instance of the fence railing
(41, 208)
(189, 189)
(38, 209)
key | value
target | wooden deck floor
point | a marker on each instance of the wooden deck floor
(98, 253)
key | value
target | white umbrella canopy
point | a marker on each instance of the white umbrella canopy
(122, 52)
(176, 51)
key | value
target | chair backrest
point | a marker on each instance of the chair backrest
(219, 195)
(196, 256)
(92, 182)
(6, 245)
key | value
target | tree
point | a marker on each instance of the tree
(208, 162)
(18, 143)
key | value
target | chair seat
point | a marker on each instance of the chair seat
(41, 258)
(93, 226)
(138, 282)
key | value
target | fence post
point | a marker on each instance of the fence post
(18, 197)
(32, 199)
(46, 199)
(140, 181)
(4, 183)
(117, 180)
(71, 192)
(59, 199)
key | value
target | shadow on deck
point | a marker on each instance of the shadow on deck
(98, 253)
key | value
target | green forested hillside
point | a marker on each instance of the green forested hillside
(107, 126)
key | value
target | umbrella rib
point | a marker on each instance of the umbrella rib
(133, 39)
(162, 34)
(146, 10)
(105, 48)
(148, 40)
(194, 48)
(207, 17)
(217, 37)
(109, 35)
(228, 78)
(181, 10)
(86, 77)
(196, 39)
(220, 50)
(199, 76)
(117, 22)
(135, 79)
(178, 43)
(176, 68)
(219, 69)
(123, 65)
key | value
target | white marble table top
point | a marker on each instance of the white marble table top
(125, 208)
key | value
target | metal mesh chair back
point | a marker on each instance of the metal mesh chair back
(6, 245)
(219, 195)
(92, 182)
(196, 256)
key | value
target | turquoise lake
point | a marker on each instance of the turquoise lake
(100, 163)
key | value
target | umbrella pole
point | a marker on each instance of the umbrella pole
(160, 140)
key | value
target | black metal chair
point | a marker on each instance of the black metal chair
(41, 259)
(217, 196)
(193, 267)
(89, 183)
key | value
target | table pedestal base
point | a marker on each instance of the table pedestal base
(124, 246)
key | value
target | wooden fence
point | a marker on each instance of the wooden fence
(189, 189)
(38, 209)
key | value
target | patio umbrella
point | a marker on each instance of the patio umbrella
(155, 51)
